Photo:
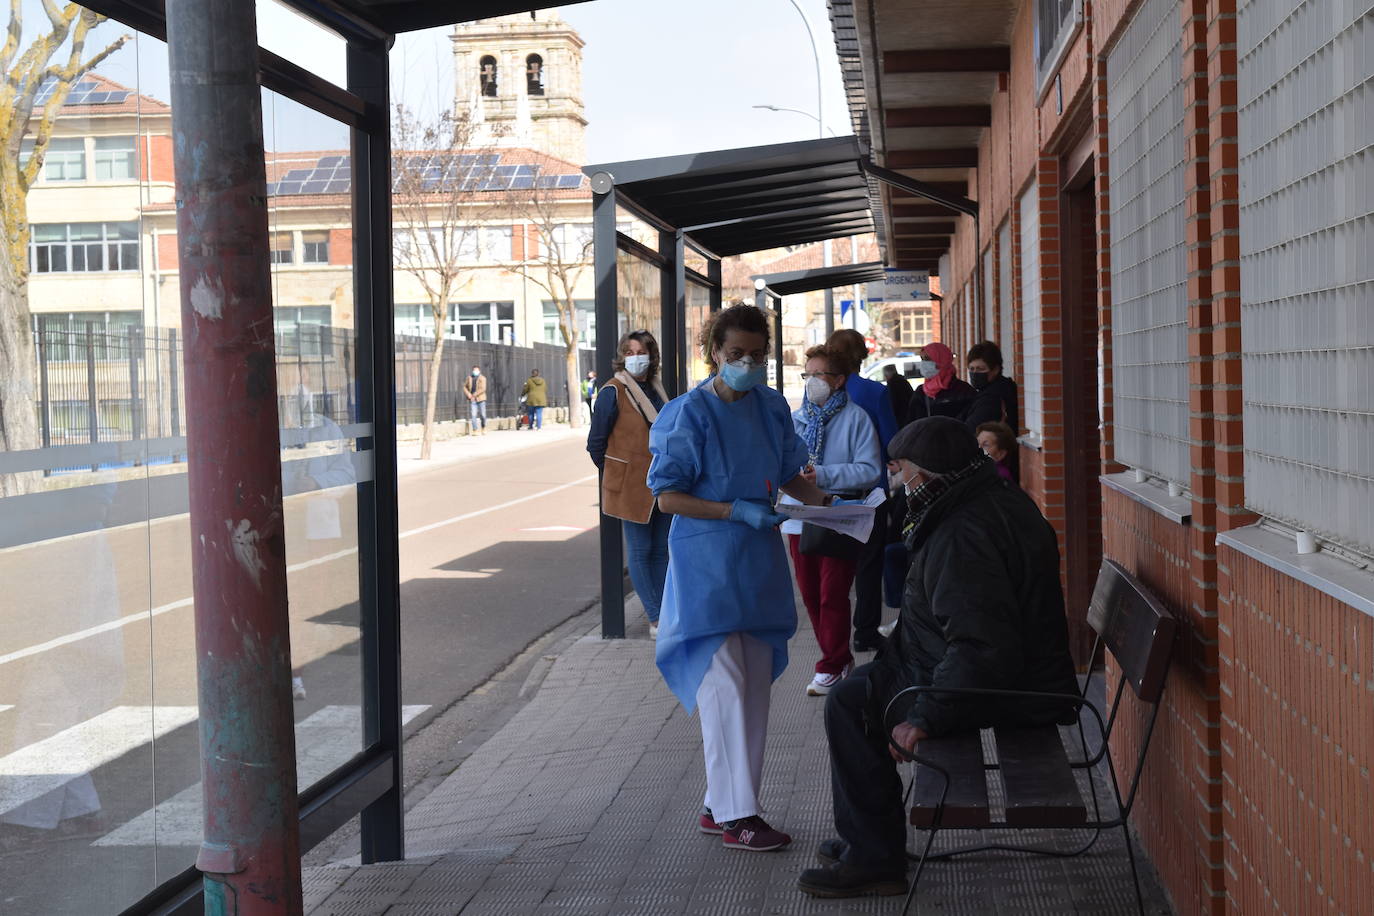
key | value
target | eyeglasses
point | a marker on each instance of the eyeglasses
(807, 375)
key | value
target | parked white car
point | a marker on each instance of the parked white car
(906, 367)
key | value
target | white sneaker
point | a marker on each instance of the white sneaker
(820, 684)
(653, 631)
(297, 689)
(887, 628)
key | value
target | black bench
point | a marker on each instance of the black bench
(950, 788)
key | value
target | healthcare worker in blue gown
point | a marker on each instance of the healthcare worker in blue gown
(720, 454)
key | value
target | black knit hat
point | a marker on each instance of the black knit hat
(939, 445)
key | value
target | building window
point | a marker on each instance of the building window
(574, 241)
(281, 248)
(586, 323)
(1032, 414)
(315, 247)
(914, 329)
(114, 158)
(83, 247)
(65, 160)
(418, 321)
(534, 75)
(303, 330)
(485, 243)
(486, 321)
(61, 337)
(487, 73)
(1056, 24)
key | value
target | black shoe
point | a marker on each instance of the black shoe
(844, 880)
(867, 642)
(829, 851)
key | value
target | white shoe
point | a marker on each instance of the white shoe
(820, 684)
(887, 628)
(297, 689)
(653, 631)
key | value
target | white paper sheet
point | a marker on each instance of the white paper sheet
(854, 519)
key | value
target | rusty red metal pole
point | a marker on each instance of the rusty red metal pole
(251, 849)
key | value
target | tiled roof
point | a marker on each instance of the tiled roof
(94, 94)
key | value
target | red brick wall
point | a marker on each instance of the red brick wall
(1297, 745)
(341, 247)
(168, 255)
(157, 152)
(1176, 796)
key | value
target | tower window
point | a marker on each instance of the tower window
(534, 75)
(488, 74)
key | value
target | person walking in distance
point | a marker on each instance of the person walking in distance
(589, 389)
(536, 394)
(626, 409)
(475, 390)
(720, 454)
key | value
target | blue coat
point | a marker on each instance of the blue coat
(723, 577)
(851, 458)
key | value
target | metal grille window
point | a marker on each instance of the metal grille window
(1306, 87)
(61, 336)
(418, 321)
(114, 158)
(1032, 413)
(65, 160)
(315, 247)
(586, 323)
(489, 321)
(1007, 343)
(1145, 135)
(83, 247)
(989, 297)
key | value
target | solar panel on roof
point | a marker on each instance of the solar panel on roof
(288, 187)
(506, 169)
(296, 175)
(522, 182)
(313, 187)
(491, 159)
(328, 162)
(569, 181)
(337, 187)
(547, 181)
(524, 170)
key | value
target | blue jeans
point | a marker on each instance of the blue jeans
(477, 410)
(536, 415)
(646, 548)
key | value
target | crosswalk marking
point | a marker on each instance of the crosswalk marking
(324, 740)
(37, 769)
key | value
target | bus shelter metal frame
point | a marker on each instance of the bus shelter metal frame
(719, 204)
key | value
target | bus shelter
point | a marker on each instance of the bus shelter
(661, 228)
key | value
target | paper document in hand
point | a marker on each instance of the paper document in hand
(853, 519)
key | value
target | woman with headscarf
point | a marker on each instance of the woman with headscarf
(943, 394)
(844, 459)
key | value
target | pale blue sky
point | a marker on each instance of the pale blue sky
(659, 78)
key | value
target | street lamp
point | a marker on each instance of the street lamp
(797, 111)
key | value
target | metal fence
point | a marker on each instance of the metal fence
(99, 385)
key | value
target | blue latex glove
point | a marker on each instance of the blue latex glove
(755, 515)
(848, 502)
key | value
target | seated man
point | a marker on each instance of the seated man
(982, 607)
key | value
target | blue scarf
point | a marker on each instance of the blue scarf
(817, 418)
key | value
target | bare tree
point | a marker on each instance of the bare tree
(439, 211)
(561, 253)
(44, 65)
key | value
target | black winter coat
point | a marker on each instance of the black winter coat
(982, 607)
(954, 401)
(996, 402)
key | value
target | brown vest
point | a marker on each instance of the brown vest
(624, 488)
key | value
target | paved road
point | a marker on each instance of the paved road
(97, 671)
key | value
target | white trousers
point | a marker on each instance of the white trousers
(733, 703)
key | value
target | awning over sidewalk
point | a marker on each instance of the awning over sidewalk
(741, 200)
(792, 282)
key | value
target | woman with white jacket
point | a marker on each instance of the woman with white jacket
(844, 458)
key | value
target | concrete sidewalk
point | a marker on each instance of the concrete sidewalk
(585, 802)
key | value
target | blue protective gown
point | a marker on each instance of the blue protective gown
(723, 577)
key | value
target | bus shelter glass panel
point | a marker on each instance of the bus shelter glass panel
(309, 175)
(627, 224)
(91, 498)
(698, 313)
(640, 289)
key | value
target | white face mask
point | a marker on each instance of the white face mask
(476, 372)
(638, 364)
(817, 390)
(927, 368)
(909, 484)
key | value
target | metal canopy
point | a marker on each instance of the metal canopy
(741, 200)
(390, 17)
(791, 282)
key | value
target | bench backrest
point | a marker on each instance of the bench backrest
(1135, 627)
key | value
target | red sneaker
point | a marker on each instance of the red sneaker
(707, 824)
(754, 834)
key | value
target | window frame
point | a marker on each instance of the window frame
(131, 152)
(108, 246)
(1049, 57)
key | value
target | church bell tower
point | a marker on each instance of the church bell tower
(521, 77)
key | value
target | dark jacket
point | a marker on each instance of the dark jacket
(899, 393)
(981, 607)
(953, 402)
(995, 402)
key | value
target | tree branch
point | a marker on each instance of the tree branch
(15, 31)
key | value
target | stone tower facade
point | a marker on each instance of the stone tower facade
(521, 76)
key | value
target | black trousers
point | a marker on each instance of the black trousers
(868, 580)
(865, 787)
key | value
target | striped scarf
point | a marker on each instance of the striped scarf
(817, 418)
(928, 493)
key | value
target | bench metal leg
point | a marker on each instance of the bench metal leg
(920, 867)
(1135, 874)
(1007, 847)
